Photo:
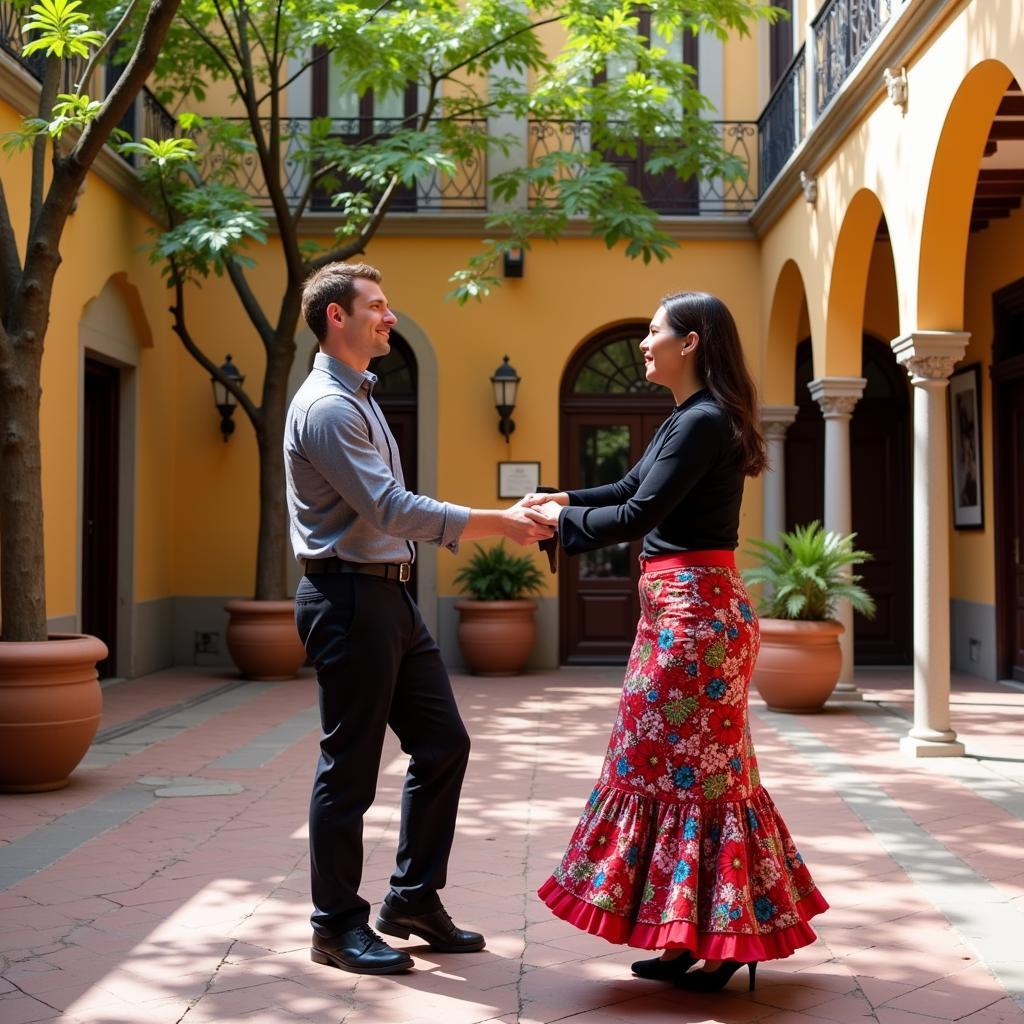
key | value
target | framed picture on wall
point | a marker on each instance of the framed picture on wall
(517, 478)
(965, 447)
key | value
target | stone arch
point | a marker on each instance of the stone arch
(114, 321)
(838, 354)
(788, 302)
(947, 213)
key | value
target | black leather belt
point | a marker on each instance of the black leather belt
(389, 570)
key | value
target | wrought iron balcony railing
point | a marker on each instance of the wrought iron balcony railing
(465, 190)
(783, 122)
(664, 192)
(843, 30)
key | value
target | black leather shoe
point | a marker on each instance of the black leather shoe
(359, 950)
(436, 927)
(660, 969)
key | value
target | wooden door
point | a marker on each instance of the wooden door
(396, 394)
(609, 414)
(1008, 380)
(99, 507)
(880, 473)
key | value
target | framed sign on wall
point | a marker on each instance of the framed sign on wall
(517, 478)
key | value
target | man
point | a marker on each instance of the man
(352, 524)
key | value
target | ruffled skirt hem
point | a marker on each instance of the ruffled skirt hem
(684, 934)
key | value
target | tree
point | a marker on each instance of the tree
(461, 63)
(72, 128)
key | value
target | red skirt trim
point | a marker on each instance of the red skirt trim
(689, 559)
(684, 934)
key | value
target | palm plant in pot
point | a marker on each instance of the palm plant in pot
(804, 575)
(496, 630)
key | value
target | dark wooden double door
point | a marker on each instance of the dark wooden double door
(600, 607)
(880, 477)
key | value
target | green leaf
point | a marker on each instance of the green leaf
(807, 572)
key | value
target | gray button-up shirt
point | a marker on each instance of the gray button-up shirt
(346, 493)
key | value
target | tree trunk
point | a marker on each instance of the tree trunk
(273, 542)
(22, 570)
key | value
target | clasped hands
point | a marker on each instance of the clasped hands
(534, 517)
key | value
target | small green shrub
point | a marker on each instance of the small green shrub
(493, 574)
(804, 574)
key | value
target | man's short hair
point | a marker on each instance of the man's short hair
(334, 283)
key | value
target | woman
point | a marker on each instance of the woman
(679, 847)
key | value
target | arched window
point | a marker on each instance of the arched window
(615, 366)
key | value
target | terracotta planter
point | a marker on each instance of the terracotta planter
(496, 637)
(262, 639)
(50, 704)
(798, 666)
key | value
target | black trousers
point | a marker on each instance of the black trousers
(377, 666)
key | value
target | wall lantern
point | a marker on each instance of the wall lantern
(505, 381)
(224, 399)
(512, 263)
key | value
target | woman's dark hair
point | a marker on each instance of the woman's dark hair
(721, 367)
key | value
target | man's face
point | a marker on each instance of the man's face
(364, 333)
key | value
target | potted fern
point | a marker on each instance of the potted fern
(496, 628)
(804, 575)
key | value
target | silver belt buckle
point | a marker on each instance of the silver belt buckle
(404, 572)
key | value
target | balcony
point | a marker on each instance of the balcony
(783, 122)
(665, 193)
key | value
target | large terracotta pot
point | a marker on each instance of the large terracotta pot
(262, 639)
(496, 637)
(50, 704)
(798, 666)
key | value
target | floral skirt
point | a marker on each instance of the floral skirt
(679, 844)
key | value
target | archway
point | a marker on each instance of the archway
(112, 329)
(880, 489)
(609, 412)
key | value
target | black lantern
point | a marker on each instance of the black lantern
(224, 399)
(513, 261)
(505, 381)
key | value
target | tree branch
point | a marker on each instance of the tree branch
(181, 329)
(106, 46)
(501, 42)
(47, 98)
(218, 52)
(10, 260)
(251, 304)
(239, 56)
(126, 88)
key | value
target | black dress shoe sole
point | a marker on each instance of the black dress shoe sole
(401, 931)
(319, 956)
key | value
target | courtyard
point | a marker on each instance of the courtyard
(168, 882)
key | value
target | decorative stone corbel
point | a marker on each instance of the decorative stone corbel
(896, 86)
(810, 187)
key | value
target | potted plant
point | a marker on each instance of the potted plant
(496, 626)
(805, 574)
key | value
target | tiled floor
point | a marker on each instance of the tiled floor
(169, 882)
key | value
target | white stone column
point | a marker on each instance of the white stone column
(929, 357)
(775, 421)
(837, 397)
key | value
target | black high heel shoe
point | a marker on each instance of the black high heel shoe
(660, 969)
(716, 980)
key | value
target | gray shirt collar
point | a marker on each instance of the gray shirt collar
(345, 374)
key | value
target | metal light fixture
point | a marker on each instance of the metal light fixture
(505, 382)
(513, 262)
(224, 399)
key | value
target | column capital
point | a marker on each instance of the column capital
(776, 419)
(930, 355)
(837, 396)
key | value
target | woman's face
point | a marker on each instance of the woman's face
(663, 351)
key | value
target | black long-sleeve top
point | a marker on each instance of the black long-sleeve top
(683, 495)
